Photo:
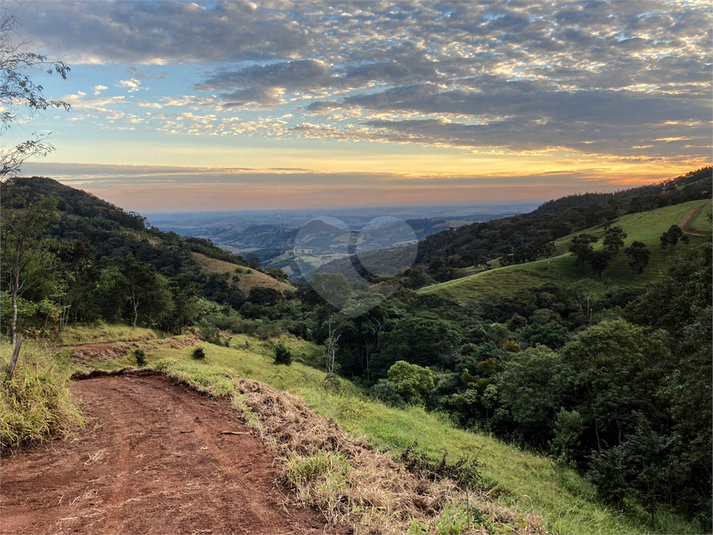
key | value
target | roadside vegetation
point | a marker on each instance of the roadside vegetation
(35, 403)
(514, 487)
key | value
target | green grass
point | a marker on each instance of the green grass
(646, 227)
(35, 404)
(101, 333)
(700, 220)
(527, 482)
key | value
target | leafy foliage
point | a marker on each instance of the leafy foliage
(282, 354)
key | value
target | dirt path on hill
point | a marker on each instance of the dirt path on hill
(152, 458)
(688, 217)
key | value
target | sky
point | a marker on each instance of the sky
(180, 106)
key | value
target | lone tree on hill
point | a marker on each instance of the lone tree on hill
(639, 255)
(614, 239)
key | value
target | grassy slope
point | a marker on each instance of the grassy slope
(101, 333)
(700, 221)
(531, 483)
(646, 227)
(247, 278)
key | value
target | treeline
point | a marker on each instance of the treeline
(68, 256)
(527, 237)
(618, 386)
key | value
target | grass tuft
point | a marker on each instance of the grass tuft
(36, 403)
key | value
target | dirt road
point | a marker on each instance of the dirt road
(152, 458)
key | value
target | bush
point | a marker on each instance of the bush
(282, 355)
(210, 333)
(385, 391)
(140, 356)
(413, 382)
(198, 353)
(511, 347)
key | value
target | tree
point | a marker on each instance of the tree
(639, 255)
(17, 91)
(413, 382)
(672, 236)
(529, 376)
(25, 258)
(427, 341)
(582, 248)
(613, 370)
(599, 260)
(253, 261)
(613, 239)
(332, 287)
(680, 302)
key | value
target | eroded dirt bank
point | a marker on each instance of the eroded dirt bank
(154, 457)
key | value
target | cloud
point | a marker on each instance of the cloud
(594, 76)
(99, 88)
(161, 32)
(132, 86)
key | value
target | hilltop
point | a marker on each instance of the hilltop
(522, 235)
(244, 278)
(645, 227)
(91, 237)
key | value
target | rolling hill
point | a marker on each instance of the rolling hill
(646, 227)
(245, 278)
(107, 233)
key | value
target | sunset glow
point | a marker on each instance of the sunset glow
(240, 105)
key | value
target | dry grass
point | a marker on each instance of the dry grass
(357, 487)
(247, 278)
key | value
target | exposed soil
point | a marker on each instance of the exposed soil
(688, 217)
(153, 457)
(85, 353)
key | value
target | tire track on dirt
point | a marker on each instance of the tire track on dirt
(151, 459)
(693, 211)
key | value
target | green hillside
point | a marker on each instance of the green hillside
(645, 227)
(525, 483)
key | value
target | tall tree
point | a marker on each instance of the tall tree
(25, 256)
(639, 255)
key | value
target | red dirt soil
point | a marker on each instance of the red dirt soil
(687, 218)
(152, 458)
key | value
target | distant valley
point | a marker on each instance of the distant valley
(271, 234)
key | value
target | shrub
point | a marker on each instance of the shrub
(413, 382)
(140, 356)
(210, 332)
(282, 355)
(385, 391)
(511, 347)
(198, 353)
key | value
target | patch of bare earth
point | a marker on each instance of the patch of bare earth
(154, 457)
(83, 354)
